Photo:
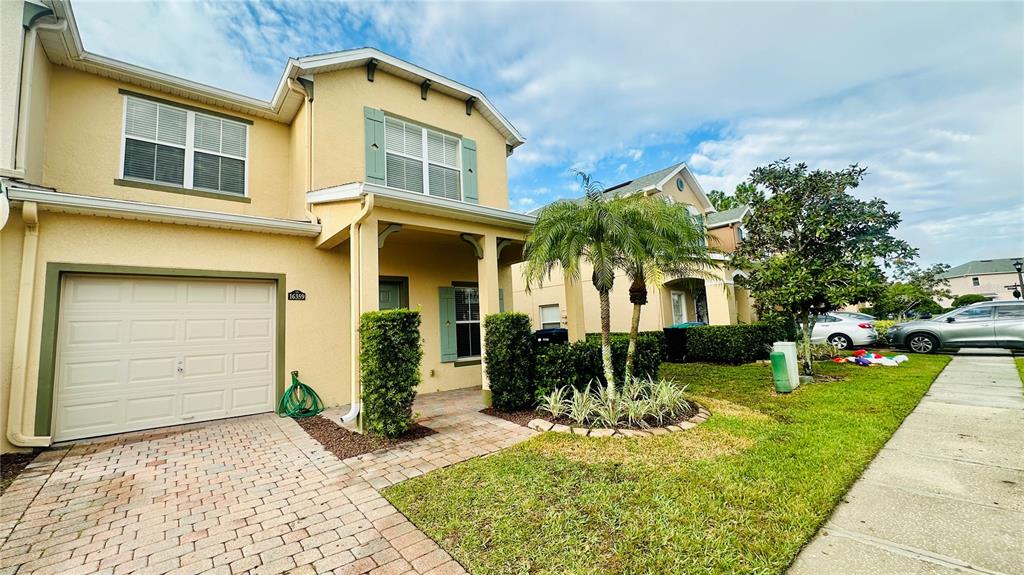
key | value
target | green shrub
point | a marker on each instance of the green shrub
(617, 335)
(389, 363)
(509, 359)
(967, 299)
(578, 364)
(733, 344)
(882, 326)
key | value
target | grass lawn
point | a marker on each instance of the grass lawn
(741, 493)
(1020, 368)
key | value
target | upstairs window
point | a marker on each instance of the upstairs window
(975, 282)
(166, 144)
(550, 317)
(422, 160)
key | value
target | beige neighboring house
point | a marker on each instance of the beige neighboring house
(171, 250)
(715, 299)
(988, 278)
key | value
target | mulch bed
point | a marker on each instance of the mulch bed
(11, 465)
(525, 417)
(344, 443)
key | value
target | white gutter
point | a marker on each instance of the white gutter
(354, 305)
(24, 100)
(404, 199)
(96, 205)
(22, 327)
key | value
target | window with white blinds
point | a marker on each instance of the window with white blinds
(421, 160)
(467, 322)
(170, 145)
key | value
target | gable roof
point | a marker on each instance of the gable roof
(657, 180)
(981, 267)
(63, 45)
(730, 216)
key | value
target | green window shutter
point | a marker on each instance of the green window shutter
(446, 318)
(375, 160)
(469, 193)
(501, 300)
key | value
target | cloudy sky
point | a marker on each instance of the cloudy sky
(929, 96)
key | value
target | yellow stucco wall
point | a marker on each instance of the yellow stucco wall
(11, 239)
(316, 335)
(338, 128)
(83, 149)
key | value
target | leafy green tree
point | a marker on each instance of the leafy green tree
(968, 299)
(665, 239)
(812, 247)
(745, 194)
(568, 233)
(913, 288)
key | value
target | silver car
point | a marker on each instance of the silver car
(843, 332)
(986, 324)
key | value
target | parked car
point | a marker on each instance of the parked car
(843, 332)
(854, 315)
(985, 324)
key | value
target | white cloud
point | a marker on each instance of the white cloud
(928, 95)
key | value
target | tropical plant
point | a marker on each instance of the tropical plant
(812, 247)
(640, 403)
(665, 239)
(580, 405)
(554, 402)
(568, 233)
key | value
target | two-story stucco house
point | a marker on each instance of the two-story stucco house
(712, 298)
(171, 250)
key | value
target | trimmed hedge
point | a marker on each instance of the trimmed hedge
(658, 335)
(509, 360)
(733, 344)
(578, 364)
(389, 359)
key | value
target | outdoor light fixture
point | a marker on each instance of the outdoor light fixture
(1018, 265)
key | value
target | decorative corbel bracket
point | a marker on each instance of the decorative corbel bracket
(387, 231)
(474, 242)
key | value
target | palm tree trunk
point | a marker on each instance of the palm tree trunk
(606, 340)
(634, 330)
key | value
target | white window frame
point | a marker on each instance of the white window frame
(425, 160)
(468, 321)
(672, 311)
(975, 282)
(558, 313)
(189, 147)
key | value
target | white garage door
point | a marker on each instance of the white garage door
(139, 352)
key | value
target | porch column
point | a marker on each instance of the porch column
(369, 268)
(487, 280)
(721, 302)
(574, 310)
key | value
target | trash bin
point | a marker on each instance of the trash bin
(780, 372)
(676, 340)
(552, 335)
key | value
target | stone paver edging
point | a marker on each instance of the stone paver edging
(544, 425)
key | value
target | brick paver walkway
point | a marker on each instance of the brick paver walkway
(247, 495)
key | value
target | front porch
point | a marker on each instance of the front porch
(449, 260)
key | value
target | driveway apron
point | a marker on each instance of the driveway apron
(247, 495)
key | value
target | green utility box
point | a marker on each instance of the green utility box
(780, 373)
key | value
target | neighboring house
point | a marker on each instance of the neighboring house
(715, 299)
(173, 250)
(988, 278)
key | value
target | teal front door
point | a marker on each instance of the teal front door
(390, 295)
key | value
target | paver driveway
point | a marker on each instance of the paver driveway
(252, 494)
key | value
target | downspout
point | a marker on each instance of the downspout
(355, 304)
(19, 360)
(300, 89)
(25, 94)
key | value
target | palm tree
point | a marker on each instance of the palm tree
(569, 232)
(667, 240)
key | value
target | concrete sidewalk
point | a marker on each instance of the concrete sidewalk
(946, 493)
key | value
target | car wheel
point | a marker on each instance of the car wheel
(922, 343)
(840, 341)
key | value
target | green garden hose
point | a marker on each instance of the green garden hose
(299, 400)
